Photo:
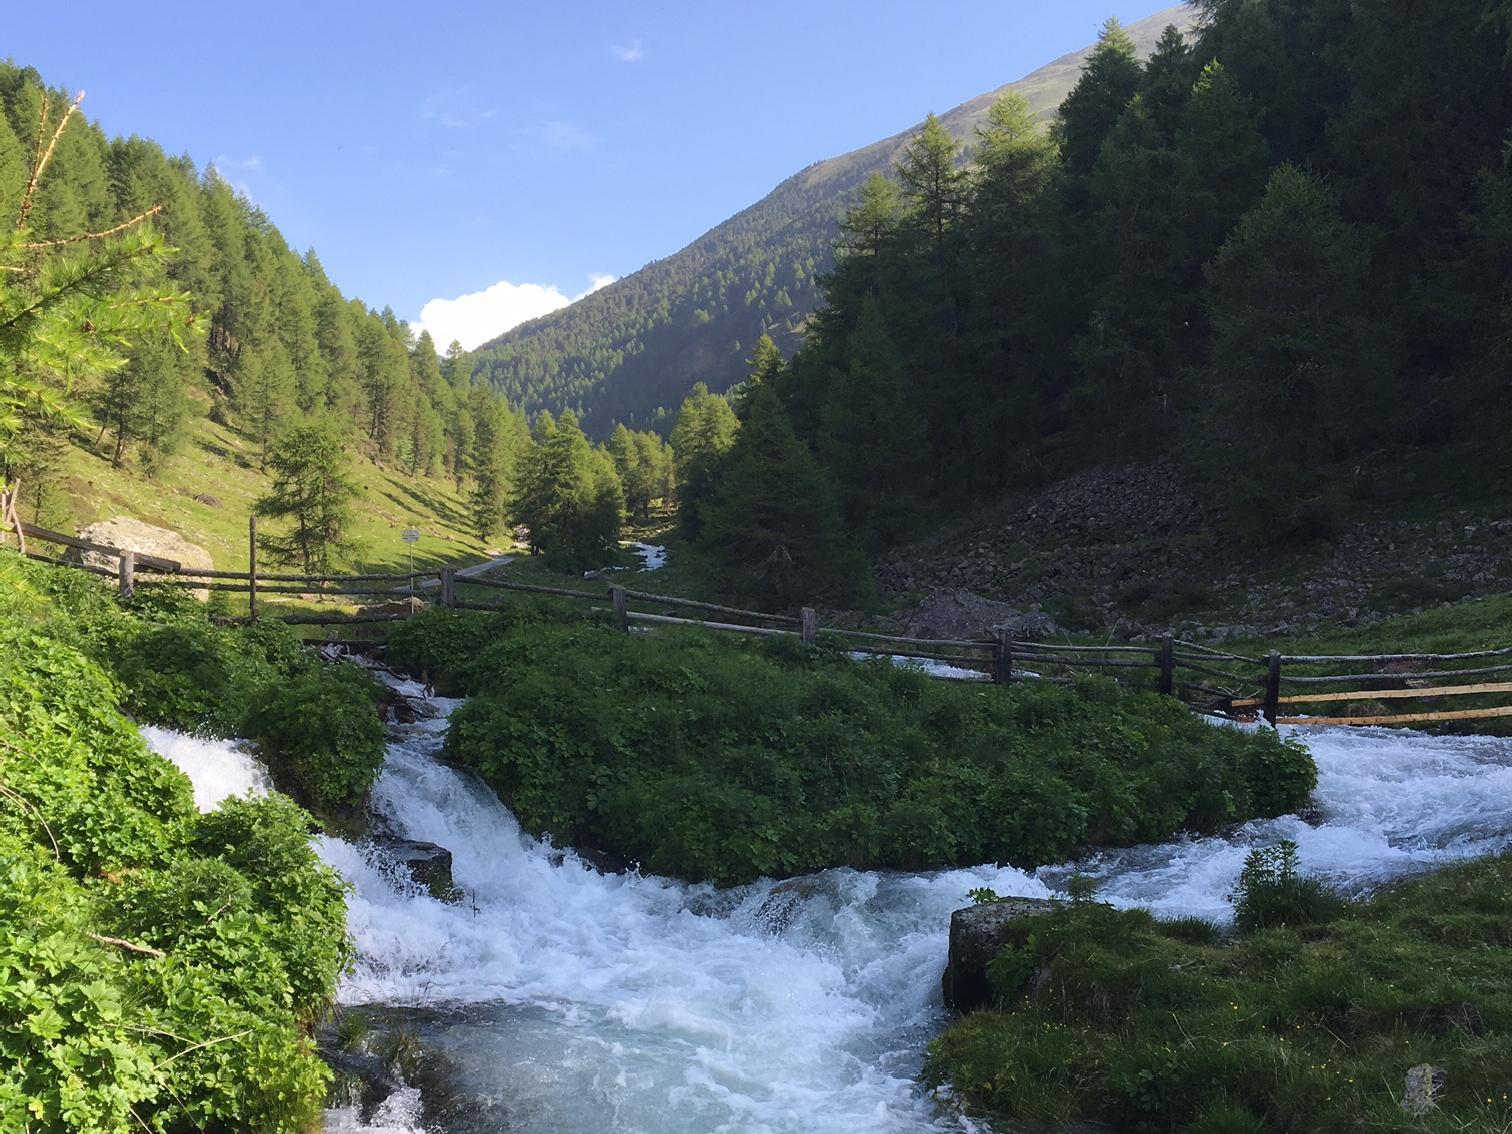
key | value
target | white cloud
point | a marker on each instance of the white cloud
(565, 136)
(478, 316)
(456, 108)
(632, 52)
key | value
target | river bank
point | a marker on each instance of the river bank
(568, 999)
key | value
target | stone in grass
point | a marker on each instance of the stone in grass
(1424, 1082)
(977, 934)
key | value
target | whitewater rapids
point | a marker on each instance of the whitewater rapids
(574, 1001)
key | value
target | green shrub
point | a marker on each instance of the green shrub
(321, 735)
(99, 841)
(710, 758)
(1271, 891)
(1165, 1026)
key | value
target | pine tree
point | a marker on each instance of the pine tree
(1300, 373)
(66, 310)
(871, 436)
(490, 465)
(773, 527)
(313, 488)
(1109, 80)
(705, 430)
(145, 402)
(934, 186)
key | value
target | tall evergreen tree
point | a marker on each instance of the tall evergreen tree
(1300, 374)
(705, 430)
(312, 488)
(1109, 80)
(773, 526)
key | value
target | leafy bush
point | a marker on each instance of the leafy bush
(1271, 892)
(321, 732)
(173, 668)
(236, 929)
(710, 758)
(1143, 1025)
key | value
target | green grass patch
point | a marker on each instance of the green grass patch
(709, 757)
(1308, 1027)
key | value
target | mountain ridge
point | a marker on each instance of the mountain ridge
(630, 351)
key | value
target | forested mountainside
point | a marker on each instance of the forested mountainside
(1280, 253)
(630, 351)
(276, 345)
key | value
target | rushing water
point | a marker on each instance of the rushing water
(573, 1001)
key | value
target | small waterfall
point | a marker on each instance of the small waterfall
(568, 1000)
(216, 768)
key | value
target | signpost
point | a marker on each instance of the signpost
(411, 536)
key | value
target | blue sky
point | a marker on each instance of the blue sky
(518, 153)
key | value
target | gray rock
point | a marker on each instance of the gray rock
(977, 934)
(428, 864)
(960, 614)
(127, 534)
(1424, 1082)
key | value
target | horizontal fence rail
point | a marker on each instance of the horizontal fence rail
(1274, 687)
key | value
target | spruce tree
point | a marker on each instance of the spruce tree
(773, 527)
(312, 488)
(1300, 373)
(706, 428)
(1110, 78)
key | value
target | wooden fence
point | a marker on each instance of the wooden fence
(1275, 686)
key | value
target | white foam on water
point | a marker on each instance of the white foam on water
(216, 768)
(653, 555)
(397, 1114)
(572, 1000)
(1389, 803)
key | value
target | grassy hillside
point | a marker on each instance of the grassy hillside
(216, 461)
(635, 347)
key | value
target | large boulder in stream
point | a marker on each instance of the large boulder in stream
(978, 934)
(428, 864)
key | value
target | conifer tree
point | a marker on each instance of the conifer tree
(1299, 372)
(773, 526)
(870, 437)
(1109, 80)
(313, 489)
(705, 430)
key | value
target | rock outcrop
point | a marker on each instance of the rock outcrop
(978, 934)
(127, 534)
(428, 864)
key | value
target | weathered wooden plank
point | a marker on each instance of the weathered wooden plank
(1478, 671)
(532, 589)
(669, 620)
(694, 604)
(49, 536)
(1340, 659)
(1403, 718)
(343, 619)
(942, 643)
(1383, 694)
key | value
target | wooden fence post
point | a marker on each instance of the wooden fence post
(1273, 686)
(1002, 657)
(252, 567)
(448, 586)
(128, 573)
(809, 622)
(621, 614)
(1167, 659)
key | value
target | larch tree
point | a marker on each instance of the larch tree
(312, 489)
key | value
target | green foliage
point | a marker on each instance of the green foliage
(143, 284)
(1272, 893)
(706, 758)
(334, 765)
(238, 929)
(569, 496)
(772, 527)
(312, 488)
(1167, 1026)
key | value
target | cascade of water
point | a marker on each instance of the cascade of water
(571, 1000)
